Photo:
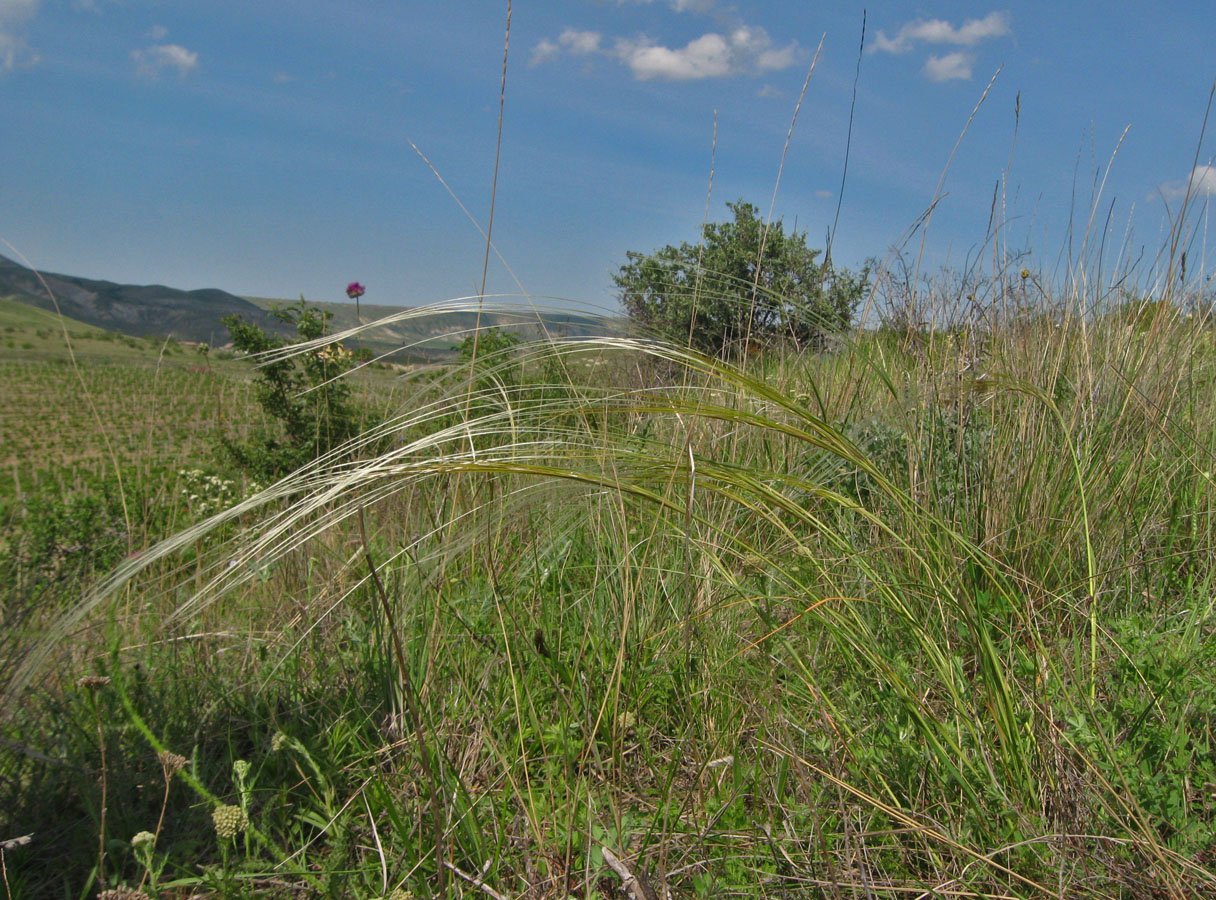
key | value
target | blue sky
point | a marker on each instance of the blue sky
(265, 148)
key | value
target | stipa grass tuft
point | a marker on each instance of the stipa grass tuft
(927, 611)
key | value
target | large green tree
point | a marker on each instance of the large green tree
(739, 287)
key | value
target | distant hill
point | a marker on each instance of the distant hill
(156, 310)
(17, 317)
(140, 310)
(433, 337)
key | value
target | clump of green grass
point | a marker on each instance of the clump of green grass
(927, 612)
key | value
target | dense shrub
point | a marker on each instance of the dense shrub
(303, 393)
(745, 283)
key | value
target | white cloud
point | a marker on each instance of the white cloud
(955, 66)
(544, 51)
(1203, 180)
(773, 60)
(158, 32)
(824, 195)
(743, 48)
(951, 67)
(749, 40)
(939, 31)
(699, 6)
(580, 42)
(768, 91)
(17, 10)
(14, 51)
(150, 62)
(709, 56)
(1201, 185)
(706, 57)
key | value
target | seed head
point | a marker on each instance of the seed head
(229, 821)
(171, 762)
(122, 893)
(93, 682)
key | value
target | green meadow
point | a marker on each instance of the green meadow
(925, 613)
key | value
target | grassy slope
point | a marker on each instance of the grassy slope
(435, 337)
(134, 402)
(851, 625)
(16, 316)
(140, 402)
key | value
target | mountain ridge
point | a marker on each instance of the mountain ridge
(141, 310)
(155, 310)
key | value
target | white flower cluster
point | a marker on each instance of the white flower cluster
(206, 494)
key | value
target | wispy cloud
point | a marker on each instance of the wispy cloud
(14, 51)
(957, 65)
(152, 61)
(580, 43)
(699, 6)
(158, 32)
(713, 55)
(939, 31)
(1201, 185)
(951, 67)
(17, 10)
(544, 51)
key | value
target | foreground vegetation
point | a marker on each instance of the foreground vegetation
(928, 614)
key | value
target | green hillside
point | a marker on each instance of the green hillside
(138, 310)
(16, 316)
(434, 337)
(29, 332)
(157, 311)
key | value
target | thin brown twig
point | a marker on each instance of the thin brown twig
(476, 882)
(632, 883)
(101, 828)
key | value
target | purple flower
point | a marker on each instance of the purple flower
(354, 290)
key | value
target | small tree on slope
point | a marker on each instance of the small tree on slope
(726, 293)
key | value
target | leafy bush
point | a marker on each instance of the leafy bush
(304, 393)
(491, 356)
(744, 283)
